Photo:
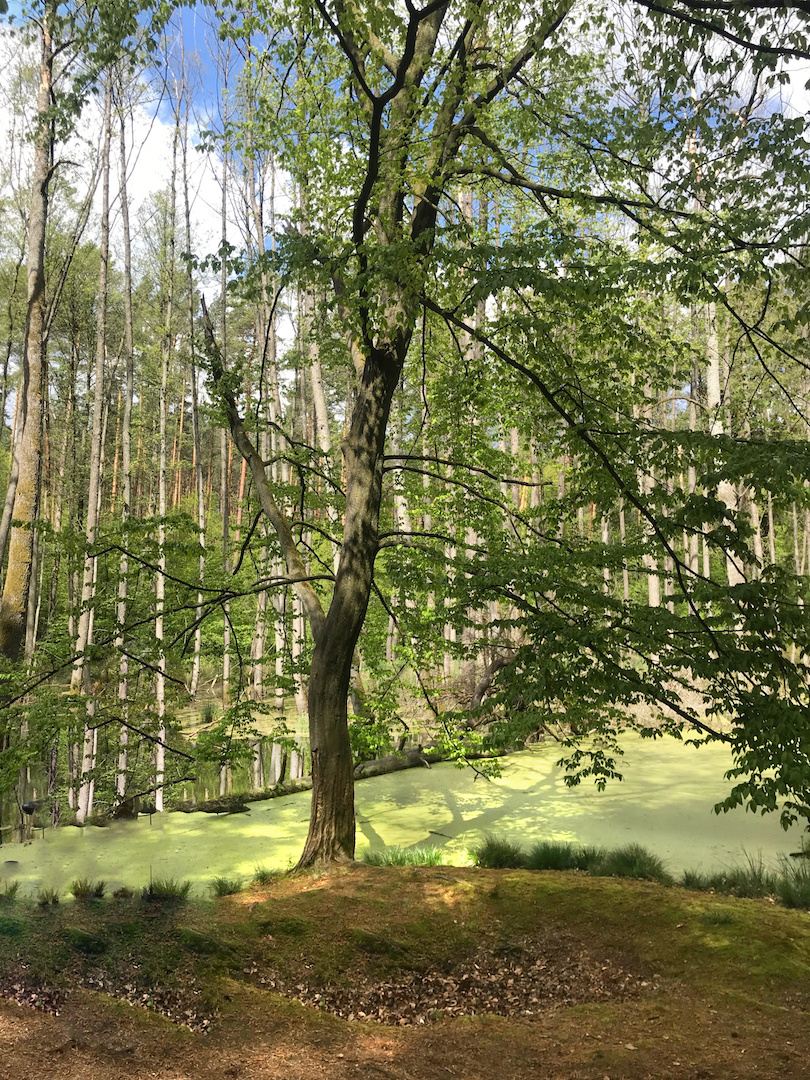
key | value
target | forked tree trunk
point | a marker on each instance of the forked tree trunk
(331, 829)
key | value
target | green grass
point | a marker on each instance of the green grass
(367, 926)
(226, 886)
(495, 853)
(793, 883)
(404, 856)
(561, 855)
(632, 861)
(168, 889)
(87, 888)
(263, 876)
(754, 880)
(47, 896)
(10, 928)
(84, 942)
(8, 892)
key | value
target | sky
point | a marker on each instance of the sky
(151, 130)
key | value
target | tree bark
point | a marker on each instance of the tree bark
(29, 454)
(126, 468)
(80, 675)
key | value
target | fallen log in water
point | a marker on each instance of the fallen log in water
(236, 804)
(418, 757)
(409, 759)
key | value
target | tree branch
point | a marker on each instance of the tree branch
(292, 558)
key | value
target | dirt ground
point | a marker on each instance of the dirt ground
(595, 1010)
(98, 1040)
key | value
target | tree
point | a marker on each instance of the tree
(96, 37)
(424, 100)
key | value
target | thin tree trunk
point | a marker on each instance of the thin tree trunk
(160, 578)
(195, 427)
(80, 676)
(26, 482)
(126, 473)
(714, 404)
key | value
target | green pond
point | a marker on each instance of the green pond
(665, 803)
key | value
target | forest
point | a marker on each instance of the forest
(375, 373)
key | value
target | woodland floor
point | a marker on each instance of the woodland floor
(409, 974)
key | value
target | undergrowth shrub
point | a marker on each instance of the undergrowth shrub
(694, 879)
(753, 880)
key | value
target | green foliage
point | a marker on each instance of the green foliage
(632, 861)
(168, 890)
(87, 888)
(793, 883)
(8, 891)
(548, 287)
(263, 876)
(370, 737)
(226, 886)
(404, 856)
(556, 855)
(495, 853)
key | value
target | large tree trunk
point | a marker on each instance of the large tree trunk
(331, 830)
(331, 826)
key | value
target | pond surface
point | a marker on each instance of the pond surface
(664, 803)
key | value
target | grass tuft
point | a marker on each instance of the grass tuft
(8, 892)
(47, 896)
(753, 880)
(632, 861)
(694, 879)
(263, 876)
(404, 856)
(168, 889)
(225, 886)
(87, 888)
(560, 855)
(494, 853)
(793, 884)
(551, 855)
